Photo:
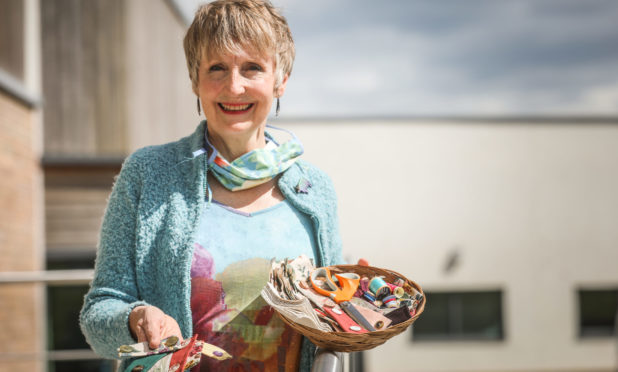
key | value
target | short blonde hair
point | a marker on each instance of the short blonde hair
(225, 26)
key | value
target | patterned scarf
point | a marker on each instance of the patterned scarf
(257, 166)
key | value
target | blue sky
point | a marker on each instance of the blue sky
(451, 57)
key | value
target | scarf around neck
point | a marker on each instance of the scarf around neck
(257, 166)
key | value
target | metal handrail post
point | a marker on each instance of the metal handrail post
(327, 361)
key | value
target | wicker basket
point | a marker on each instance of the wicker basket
(349, 342)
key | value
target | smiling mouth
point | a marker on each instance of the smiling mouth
(235, 108)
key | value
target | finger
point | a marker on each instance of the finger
(152, 328)
(171, 328)
(154, 338)
(139, 333)
(135, 321)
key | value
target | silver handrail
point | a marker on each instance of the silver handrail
(82, 276)
(327, 361)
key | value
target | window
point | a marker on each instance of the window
(597, 312)
(473, 315)
(64, 335)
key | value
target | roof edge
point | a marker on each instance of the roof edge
(549, 119)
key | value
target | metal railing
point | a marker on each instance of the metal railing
(62, 277)
(56, 278)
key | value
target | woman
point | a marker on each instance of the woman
(190, 223)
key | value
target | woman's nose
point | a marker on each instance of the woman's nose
(236, 83)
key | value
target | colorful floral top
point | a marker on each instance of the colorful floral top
(231, 264)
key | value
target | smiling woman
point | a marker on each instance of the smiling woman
(191, 226)
(236, 92)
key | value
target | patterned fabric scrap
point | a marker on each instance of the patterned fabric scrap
(148, 363)
(175, 358)
(142, 349)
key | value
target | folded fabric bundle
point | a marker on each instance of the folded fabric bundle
(299, 311)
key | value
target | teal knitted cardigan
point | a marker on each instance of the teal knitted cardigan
(146, 243)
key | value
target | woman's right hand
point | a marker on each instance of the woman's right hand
(149, 323)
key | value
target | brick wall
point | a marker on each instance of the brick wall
(21, 305)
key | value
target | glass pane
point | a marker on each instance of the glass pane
(597, 312)
(64, 304)
(481, 315)
(461, 316)
(434, 322)
(64, 263)
(82, 366)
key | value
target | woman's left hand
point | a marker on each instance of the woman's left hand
(151, 324)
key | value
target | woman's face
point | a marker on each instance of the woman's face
(236, 92)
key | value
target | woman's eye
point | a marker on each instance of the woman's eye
(216, 68)
(255, 67)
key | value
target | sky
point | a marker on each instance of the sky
(406, 58)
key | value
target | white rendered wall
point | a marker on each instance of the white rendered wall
(532, 209)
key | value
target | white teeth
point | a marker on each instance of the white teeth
(235, 107)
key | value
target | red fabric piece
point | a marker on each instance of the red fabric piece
(343, 320)
(179, 358)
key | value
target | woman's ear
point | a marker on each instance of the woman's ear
(281, 88)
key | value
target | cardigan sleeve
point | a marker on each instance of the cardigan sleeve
(113, 292)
